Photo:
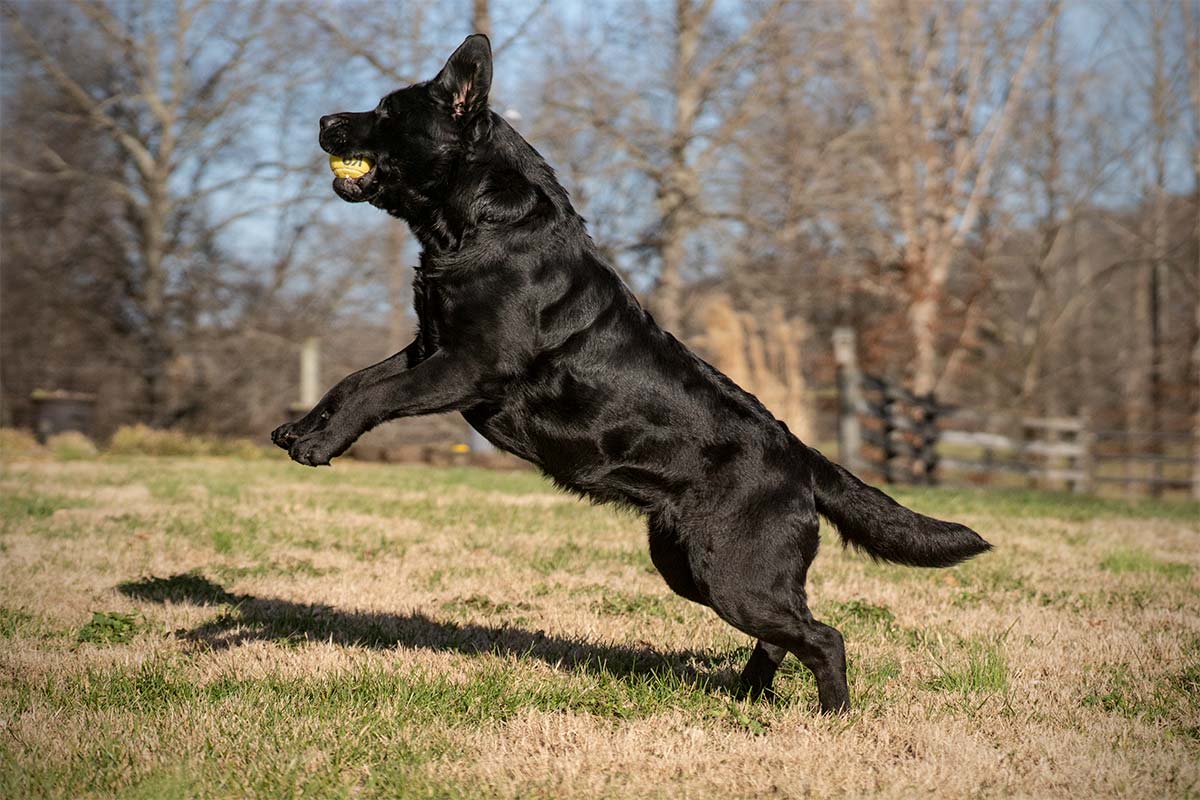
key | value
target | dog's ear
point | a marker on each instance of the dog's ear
(464, 82)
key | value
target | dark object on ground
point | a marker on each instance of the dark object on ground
(534, 338)
(61, 411)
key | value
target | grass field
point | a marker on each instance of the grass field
(223, 628)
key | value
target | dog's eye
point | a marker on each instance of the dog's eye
(325, 415)
(387, 106)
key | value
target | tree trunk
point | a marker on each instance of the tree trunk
(1156, 274)
(1081, 333)
(922, 321)
(678, 189)
(668, 288)
(156, 359)
(481, 18)
(156, 348)
(1137, 366)
(1191, 16)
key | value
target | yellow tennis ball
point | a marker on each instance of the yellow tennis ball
(349, 167)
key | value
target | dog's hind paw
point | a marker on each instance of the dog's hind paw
(755, 693)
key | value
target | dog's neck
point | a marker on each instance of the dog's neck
(443, 226)
(436, 227)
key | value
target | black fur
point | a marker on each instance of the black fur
(535, 339)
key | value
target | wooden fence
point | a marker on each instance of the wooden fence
(905, 438)
(1158, 461)
(1049, 452)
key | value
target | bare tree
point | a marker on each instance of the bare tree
(943, 81)
(1063, 166)
(1144, 402)
(979, 189)
(703, 86)
(173, 103)
(1191, 33)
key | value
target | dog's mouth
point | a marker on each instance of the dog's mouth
(358, 188)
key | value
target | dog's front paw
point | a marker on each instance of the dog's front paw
(317, 449)
(315, 421)
(285, 435)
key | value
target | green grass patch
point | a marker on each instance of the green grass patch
(990, 580)
(228, 532)
(18, 506)
(623, 604)
(376, 726)
(1133, 560)
(14, 621)
(1115, 691)
(144, 742)
(491, 692)
(981, 667)
(290, 568)
(879, 674)
(569, 556)
(1169, 698)
(109, 627)
(177, 488)
(478, 604)
(859, 613)
(870, 679)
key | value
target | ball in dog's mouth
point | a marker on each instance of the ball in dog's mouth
(353, 177)
(353, 168)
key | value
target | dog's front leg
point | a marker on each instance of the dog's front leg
(439, 383)
(318, 417)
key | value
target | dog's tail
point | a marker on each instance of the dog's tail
(871, 521)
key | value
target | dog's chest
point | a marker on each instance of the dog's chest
(549, 417)
(429, 305)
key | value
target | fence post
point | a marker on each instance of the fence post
(1085, 464)
(1032, 470)
(928, 437)
(891, 434)
(850, 400)
(310, 377)
(310, 368)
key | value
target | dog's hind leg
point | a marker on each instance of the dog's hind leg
(818, 646)
(760, 670)
(822, 649)
(760, 591)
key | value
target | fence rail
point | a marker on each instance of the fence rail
(901, 437)
(1064, 458)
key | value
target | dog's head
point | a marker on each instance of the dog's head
(414, 136)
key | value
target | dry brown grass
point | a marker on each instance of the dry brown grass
(395, 631)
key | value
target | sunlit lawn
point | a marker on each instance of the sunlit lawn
(227, 628)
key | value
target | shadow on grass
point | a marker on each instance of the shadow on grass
(253, 618)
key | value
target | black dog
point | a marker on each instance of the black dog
(534, 338)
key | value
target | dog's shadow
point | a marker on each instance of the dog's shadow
(251, 618)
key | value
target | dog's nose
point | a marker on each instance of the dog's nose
(328, 121)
